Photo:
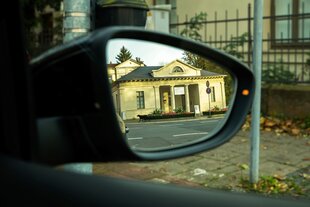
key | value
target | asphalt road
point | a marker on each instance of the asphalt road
(163, 134)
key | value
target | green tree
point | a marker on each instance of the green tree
(138, 60)
(192, 31)
(236, 42)
(208, 65)
(277, 72)
(194, 25)
(123, 55)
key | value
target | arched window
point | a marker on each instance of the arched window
(177, 69)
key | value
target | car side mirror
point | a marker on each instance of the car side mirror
(79, 84)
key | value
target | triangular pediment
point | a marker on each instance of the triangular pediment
(176, 68)
(129, 64)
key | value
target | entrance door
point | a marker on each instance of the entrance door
(166, 102)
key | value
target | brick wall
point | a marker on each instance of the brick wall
(286, 100)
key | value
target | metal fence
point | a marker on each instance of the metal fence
(281, 63)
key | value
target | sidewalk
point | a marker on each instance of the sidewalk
(225, 166)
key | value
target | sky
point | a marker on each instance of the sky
(153, 54)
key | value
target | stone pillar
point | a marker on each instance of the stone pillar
(172, 97)
(187, 107)
(156, 97)
(121, 100)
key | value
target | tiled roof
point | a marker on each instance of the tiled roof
(143, 73)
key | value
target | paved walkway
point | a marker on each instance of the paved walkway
(223, 167)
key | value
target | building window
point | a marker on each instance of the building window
(212, 94)
(140, 99)
(177, 69)
(290, 25)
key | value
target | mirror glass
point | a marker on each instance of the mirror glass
(166, 96)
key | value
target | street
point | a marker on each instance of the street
(162, 134)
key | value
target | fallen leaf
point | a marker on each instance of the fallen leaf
(305, 175)
(199, 171)
(288, 122)
(269, 123)
(262, 120)
(295, 131)
(221, 175)
(279, 177)
(285, 128)
(278, 131)
(244, 166)
(268, 129)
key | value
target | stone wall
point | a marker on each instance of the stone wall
(291, 101)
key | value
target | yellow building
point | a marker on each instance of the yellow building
(140, 89)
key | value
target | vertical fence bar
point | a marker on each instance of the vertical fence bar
(281, 58)
(257, 55)
(226, 26)
(221, 42)
(237, 23)
(186, 25)
(249, 35)
(205, 28)
(268, 57)
(243, 52)
(215, 28)
(288, 63)
(295, 63)
(303, 40)
(178, 25)
(288, 41)
(237, 30)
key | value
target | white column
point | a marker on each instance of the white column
(122, 104)
(187, 108)
(156, 97)
(172, 97)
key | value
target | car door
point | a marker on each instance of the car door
(31, 180)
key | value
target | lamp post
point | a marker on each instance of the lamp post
(83, 16)
(77, 22)
(120, 13)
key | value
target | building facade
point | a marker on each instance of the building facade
(228, 25)
(176, 86)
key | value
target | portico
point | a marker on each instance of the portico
(174, 87)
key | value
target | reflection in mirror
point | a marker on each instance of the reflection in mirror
(166, 96)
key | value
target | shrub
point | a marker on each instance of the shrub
(179, 110)
(157, 111)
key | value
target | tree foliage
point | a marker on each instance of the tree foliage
(208, 65)
(277, 72)
(31, 10)
(123, 55)
(192, 31)
(138, 60)
(194, 25)
(233, 45)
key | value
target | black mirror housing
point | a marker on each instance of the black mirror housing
(72, 82)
